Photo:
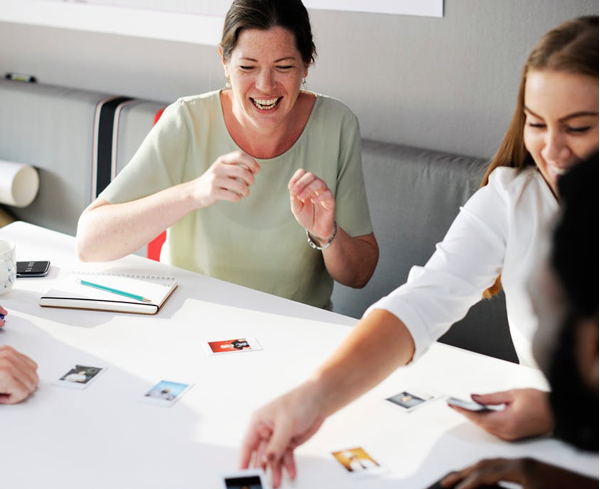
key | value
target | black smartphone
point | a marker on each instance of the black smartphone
(32, 268)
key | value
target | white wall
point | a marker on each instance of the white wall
(447, 84)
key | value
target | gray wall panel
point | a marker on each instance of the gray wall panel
(50, 128)
(447, 84)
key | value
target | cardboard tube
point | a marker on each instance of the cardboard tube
(19, 183)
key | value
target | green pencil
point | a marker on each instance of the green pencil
(114, 291)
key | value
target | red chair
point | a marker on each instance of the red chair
(154, 246)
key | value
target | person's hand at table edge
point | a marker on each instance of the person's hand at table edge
(18, 376)
(530, 473)
(527, 414)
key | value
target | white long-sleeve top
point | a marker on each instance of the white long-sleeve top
(498, 231)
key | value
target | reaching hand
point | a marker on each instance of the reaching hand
(277, 429)
(313, 204)
(18, 377)
(527, 413)
(228, 178)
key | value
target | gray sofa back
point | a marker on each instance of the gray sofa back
(55, 129)
(414, 195)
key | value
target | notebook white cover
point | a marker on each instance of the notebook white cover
(70, 293)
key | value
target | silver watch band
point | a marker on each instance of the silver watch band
(313, 243)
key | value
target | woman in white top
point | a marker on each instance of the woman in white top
(497, 233)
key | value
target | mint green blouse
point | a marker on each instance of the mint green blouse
(256, 242)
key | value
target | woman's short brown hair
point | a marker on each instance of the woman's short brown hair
(266, 14)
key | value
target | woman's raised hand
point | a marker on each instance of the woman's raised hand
(313, 204)
(228, 178)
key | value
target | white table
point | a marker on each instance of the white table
(102, 437)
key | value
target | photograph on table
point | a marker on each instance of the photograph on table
(232, 346)
(411, 399)
(245, 479)
(80, 376)
(358, 462)
(165, 393)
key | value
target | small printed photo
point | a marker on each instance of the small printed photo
(411, 399)
(233, 346)
(358, 462)
(80, 376)
(406, 399)
(245, 479)
(165, 393)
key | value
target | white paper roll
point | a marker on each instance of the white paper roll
(19, 183)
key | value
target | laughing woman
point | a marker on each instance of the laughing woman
(221, 170)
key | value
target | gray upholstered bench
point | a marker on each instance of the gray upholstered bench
(414, 195)
(75, 139)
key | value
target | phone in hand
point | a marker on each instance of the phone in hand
(474, 406)
(32, 268)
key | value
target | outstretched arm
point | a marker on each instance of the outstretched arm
(378, 345)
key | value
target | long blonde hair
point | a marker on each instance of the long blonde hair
(571, 47)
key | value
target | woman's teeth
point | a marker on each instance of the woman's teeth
(266, 104)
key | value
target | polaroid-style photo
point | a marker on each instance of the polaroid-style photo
(80, 376)
(358, 463)
(232, 346)
(412, 399)
(165, 393)
(245, 479)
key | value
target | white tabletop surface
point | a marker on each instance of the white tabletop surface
(103, 437)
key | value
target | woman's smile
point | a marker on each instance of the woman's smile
(266, 104)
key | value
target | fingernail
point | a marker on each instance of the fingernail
(475, 396)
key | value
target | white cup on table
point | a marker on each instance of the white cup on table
(8, 265)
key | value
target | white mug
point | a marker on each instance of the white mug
(8, 265)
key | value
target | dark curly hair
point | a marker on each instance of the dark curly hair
(574, 259)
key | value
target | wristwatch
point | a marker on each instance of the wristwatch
(313, 243)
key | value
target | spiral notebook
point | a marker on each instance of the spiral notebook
(139, 294)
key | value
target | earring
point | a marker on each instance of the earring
(303, 82)
(227, 83)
